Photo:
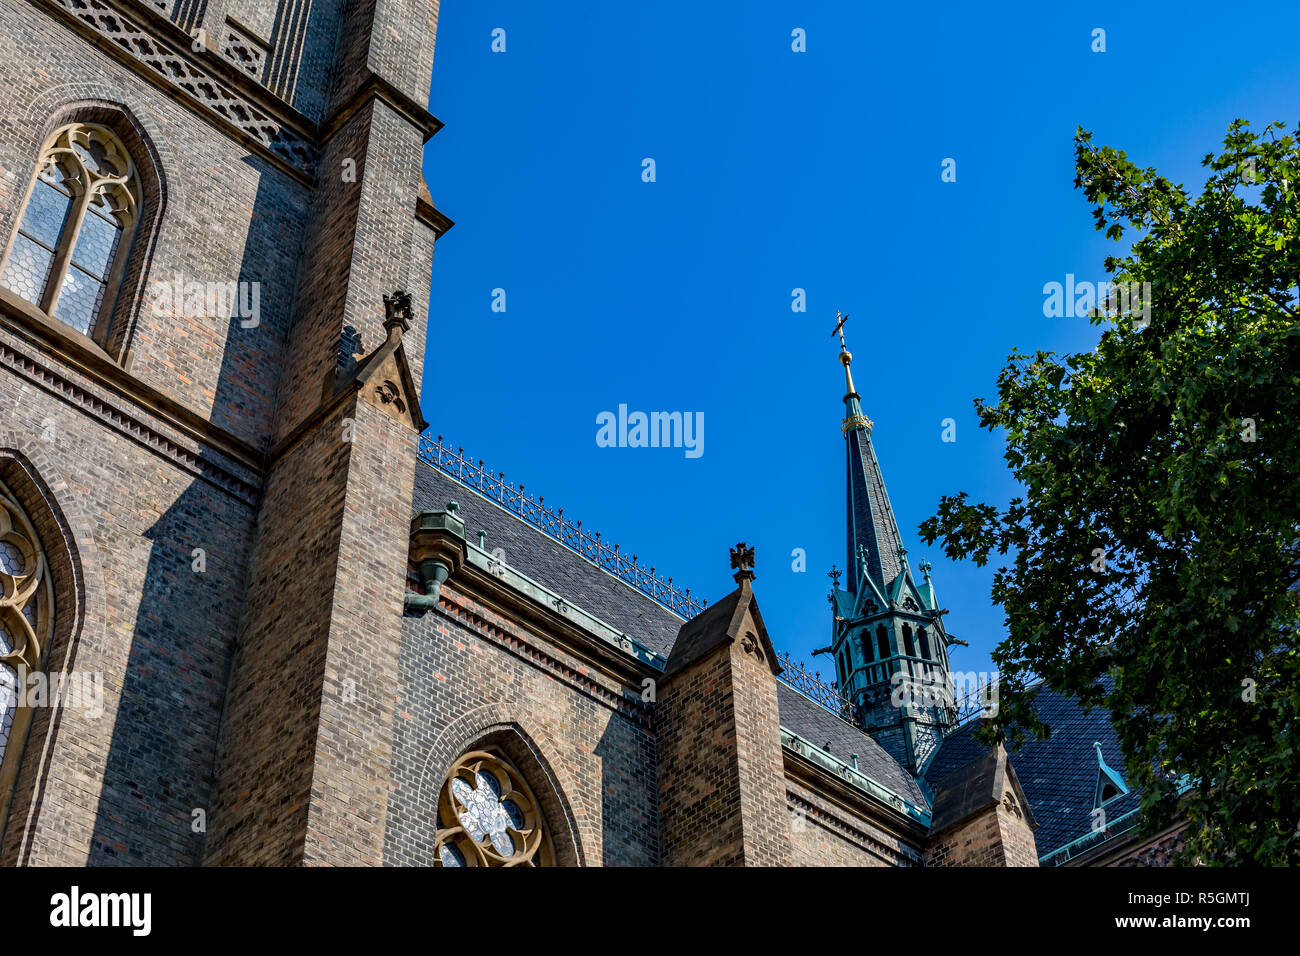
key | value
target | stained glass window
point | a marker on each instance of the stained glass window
(8, 704)
(65, 256)
(487, 816)
(26, 616)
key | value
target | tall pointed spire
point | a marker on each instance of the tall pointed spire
(873, 538)
(887, 633)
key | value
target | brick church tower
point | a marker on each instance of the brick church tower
(209, 419)
(887, 631)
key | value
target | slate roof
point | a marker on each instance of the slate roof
(818, 725)
(548, 562)
(1058, 775)
(871, 519)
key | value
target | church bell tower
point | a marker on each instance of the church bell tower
(887, 631)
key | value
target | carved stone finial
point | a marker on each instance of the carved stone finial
(397, 312)
(742, 559)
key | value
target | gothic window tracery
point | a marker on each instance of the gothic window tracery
(68, 253)
(26, 621)
(488, 816)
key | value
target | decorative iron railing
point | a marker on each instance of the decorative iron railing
(554, 525)
(814, 688)
(980, 701)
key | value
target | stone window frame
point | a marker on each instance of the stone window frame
(532, 843)
(29, 589)
(120, 194)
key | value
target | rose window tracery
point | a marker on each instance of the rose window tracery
(26, 610)
(488, 816)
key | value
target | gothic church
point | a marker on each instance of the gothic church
(285, 610)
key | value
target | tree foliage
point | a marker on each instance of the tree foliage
(1151, 563)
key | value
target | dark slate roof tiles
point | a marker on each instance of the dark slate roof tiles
(546, 561)
(1058, 775)
(818, 725)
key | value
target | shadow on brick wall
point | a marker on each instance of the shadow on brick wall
(159, 775)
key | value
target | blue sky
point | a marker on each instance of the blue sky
(778, 170)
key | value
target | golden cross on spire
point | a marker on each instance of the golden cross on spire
(839, 328)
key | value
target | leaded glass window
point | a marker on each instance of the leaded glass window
(26, 621)
(487, 816)
(68, 253)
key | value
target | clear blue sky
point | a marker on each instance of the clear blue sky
(776, 170)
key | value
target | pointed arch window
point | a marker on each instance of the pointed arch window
(925, 643)
(907, 641)
(26, 623)
(69, 251)
(488, 816)
(882, 641)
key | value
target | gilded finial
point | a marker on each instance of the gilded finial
(855, 420)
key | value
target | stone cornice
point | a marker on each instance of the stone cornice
(375, 87)
(851, 800)
(427, 213)
(501, 598)
(521, 643)
(87, 359)
(853, 834)
(152, 46)
(160, 52)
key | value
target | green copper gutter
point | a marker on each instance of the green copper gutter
(544, 596)
(810, 751)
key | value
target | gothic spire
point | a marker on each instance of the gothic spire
(873, 539)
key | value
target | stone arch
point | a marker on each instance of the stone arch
(50, 502)
(574, 831)
(97, 103)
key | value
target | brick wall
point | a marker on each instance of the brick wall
(994, 837)
(1159, 850)
(469, 674)
(721, 778)
(122, 787)
(826, 833)
(141, 453)
(225, 216)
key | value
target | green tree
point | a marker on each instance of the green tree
(1151, 564)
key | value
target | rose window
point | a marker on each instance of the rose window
(487, 816)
